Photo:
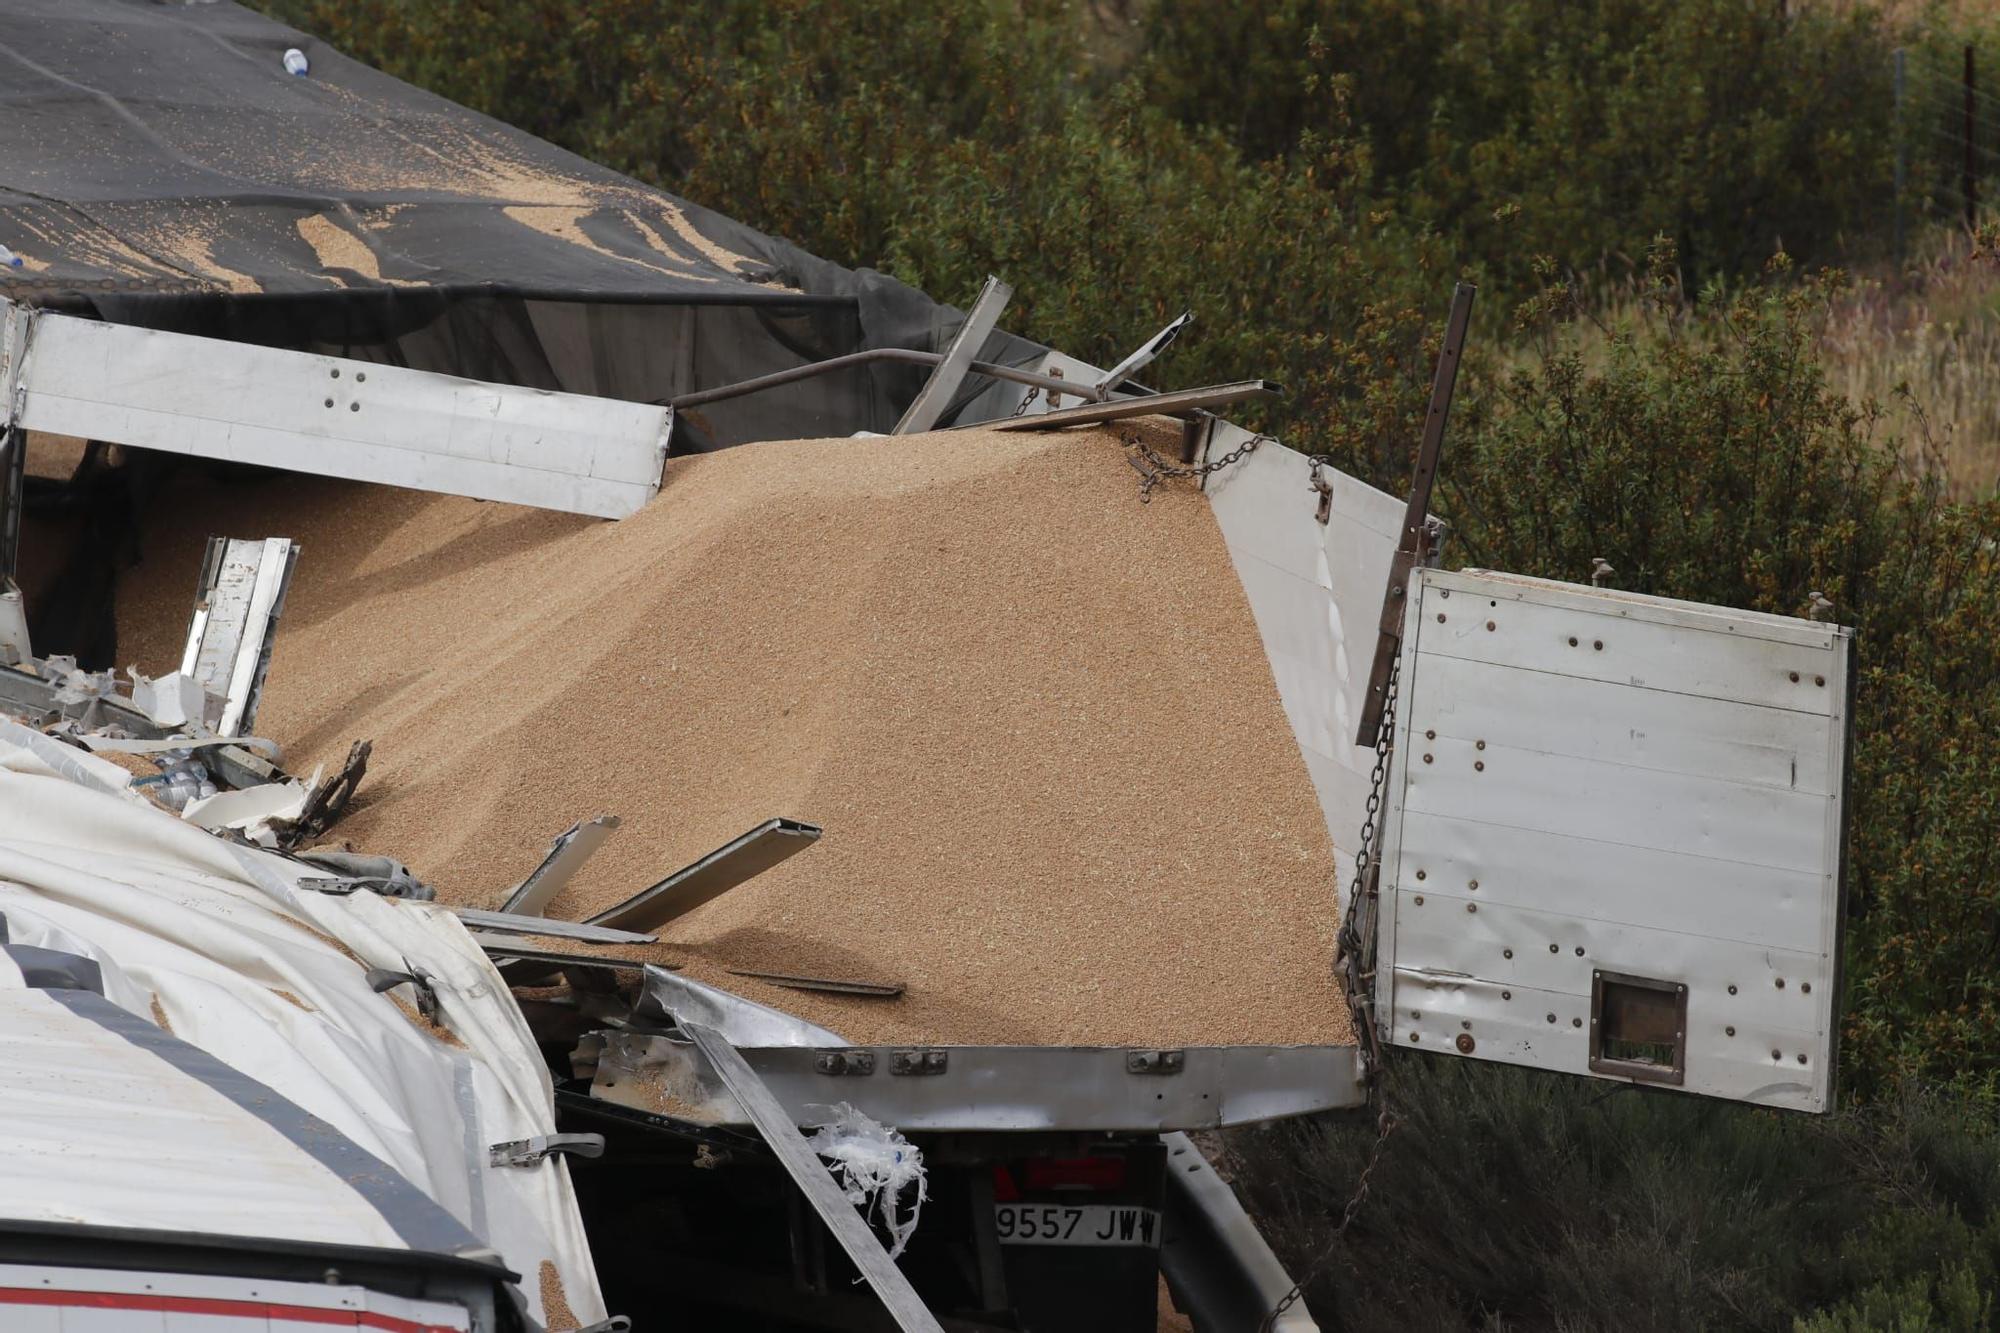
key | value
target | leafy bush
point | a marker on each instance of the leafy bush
(1510, 1199)
(1574, 130)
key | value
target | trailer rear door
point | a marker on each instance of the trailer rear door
(1613, 843)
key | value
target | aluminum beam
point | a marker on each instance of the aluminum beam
(938, 391)
(721, 870)
(331, 416)
(1007, 1088)
(1178, 403)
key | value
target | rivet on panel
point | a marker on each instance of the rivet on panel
(329, 402)
(1732, 990)
(1444, 592)
(1805, 988)
(1413, 1036)
(1572, 640)
(1802, 1058)
(1479, 745)
(1465, 1023)
(1506, 995)
(1579, 951)
(360, 376)
(1472, 907)
(1729, 1032)
(1479, 765)
(354, 407)
(1777, 1055)
(1440, 617)
(1419, 900)
(1552, 1018)
(1781, 983)
(1820, 681)
(335, 372)
(1427, 759)
(1489, 624)
(1465, 1043)
(1422, 875)
(1555, 948)
(1507, 953)
(1598, 644)
(1416, 1013)
(1430, 735)
(1795, 677)
(1472, 884)
(1576, 1022)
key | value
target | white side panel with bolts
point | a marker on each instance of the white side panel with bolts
(1614, 838)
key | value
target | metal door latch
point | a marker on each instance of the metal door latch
(532, 1152)
(1155, 1062)
(919, 1062)
(845, 1062)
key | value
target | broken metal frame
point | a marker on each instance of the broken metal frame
(1414, 536)
(1144, 355)
(932, 400)
(713, 875)
(1176, 403)
(26, 694)
(904, 355)
(567, 855)
(780, 1131)
(238, 599)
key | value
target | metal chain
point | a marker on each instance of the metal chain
(1357, 959)
(1385, 1125)
(1162, 469)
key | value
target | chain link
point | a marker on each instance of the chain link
(1385, 1125)
(1357, 956)
(1162, 469)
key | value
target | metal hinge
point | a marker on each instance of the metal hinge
(533, 1152)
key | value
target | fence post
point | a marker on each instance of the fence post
(1971, 181)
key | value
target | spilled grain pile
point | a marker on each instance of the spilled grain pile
(1060, 796)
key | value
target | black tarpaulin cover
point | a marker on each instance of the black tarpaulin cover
(159, 166)
(164, 148)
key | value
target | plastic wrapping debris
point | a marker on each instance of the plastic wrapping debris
(250, 810)
(173, 700)
(14, 645)
(181, 783)
(82, 686)
(874, 1164)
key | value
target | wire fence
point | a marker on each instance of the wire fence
(1947, 131)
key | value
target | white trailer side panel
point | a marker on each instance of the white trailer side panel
(334, 417)
(1614, 840)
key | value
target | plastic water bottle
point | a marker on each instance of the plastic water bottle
(295, 61)
(9, 258)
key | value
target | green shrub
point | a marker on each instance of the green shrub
(1577, 129)
(1515, 1199)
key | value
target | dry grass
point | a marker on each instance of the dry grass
(1924, 344)
(1920, 342)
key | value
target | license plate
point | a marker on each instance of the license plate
(1076, 1224)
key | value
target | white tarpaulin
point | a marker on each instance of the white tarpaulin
(214, 944)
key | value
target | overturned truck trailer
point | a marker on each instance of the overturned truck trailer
(1602, 831)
